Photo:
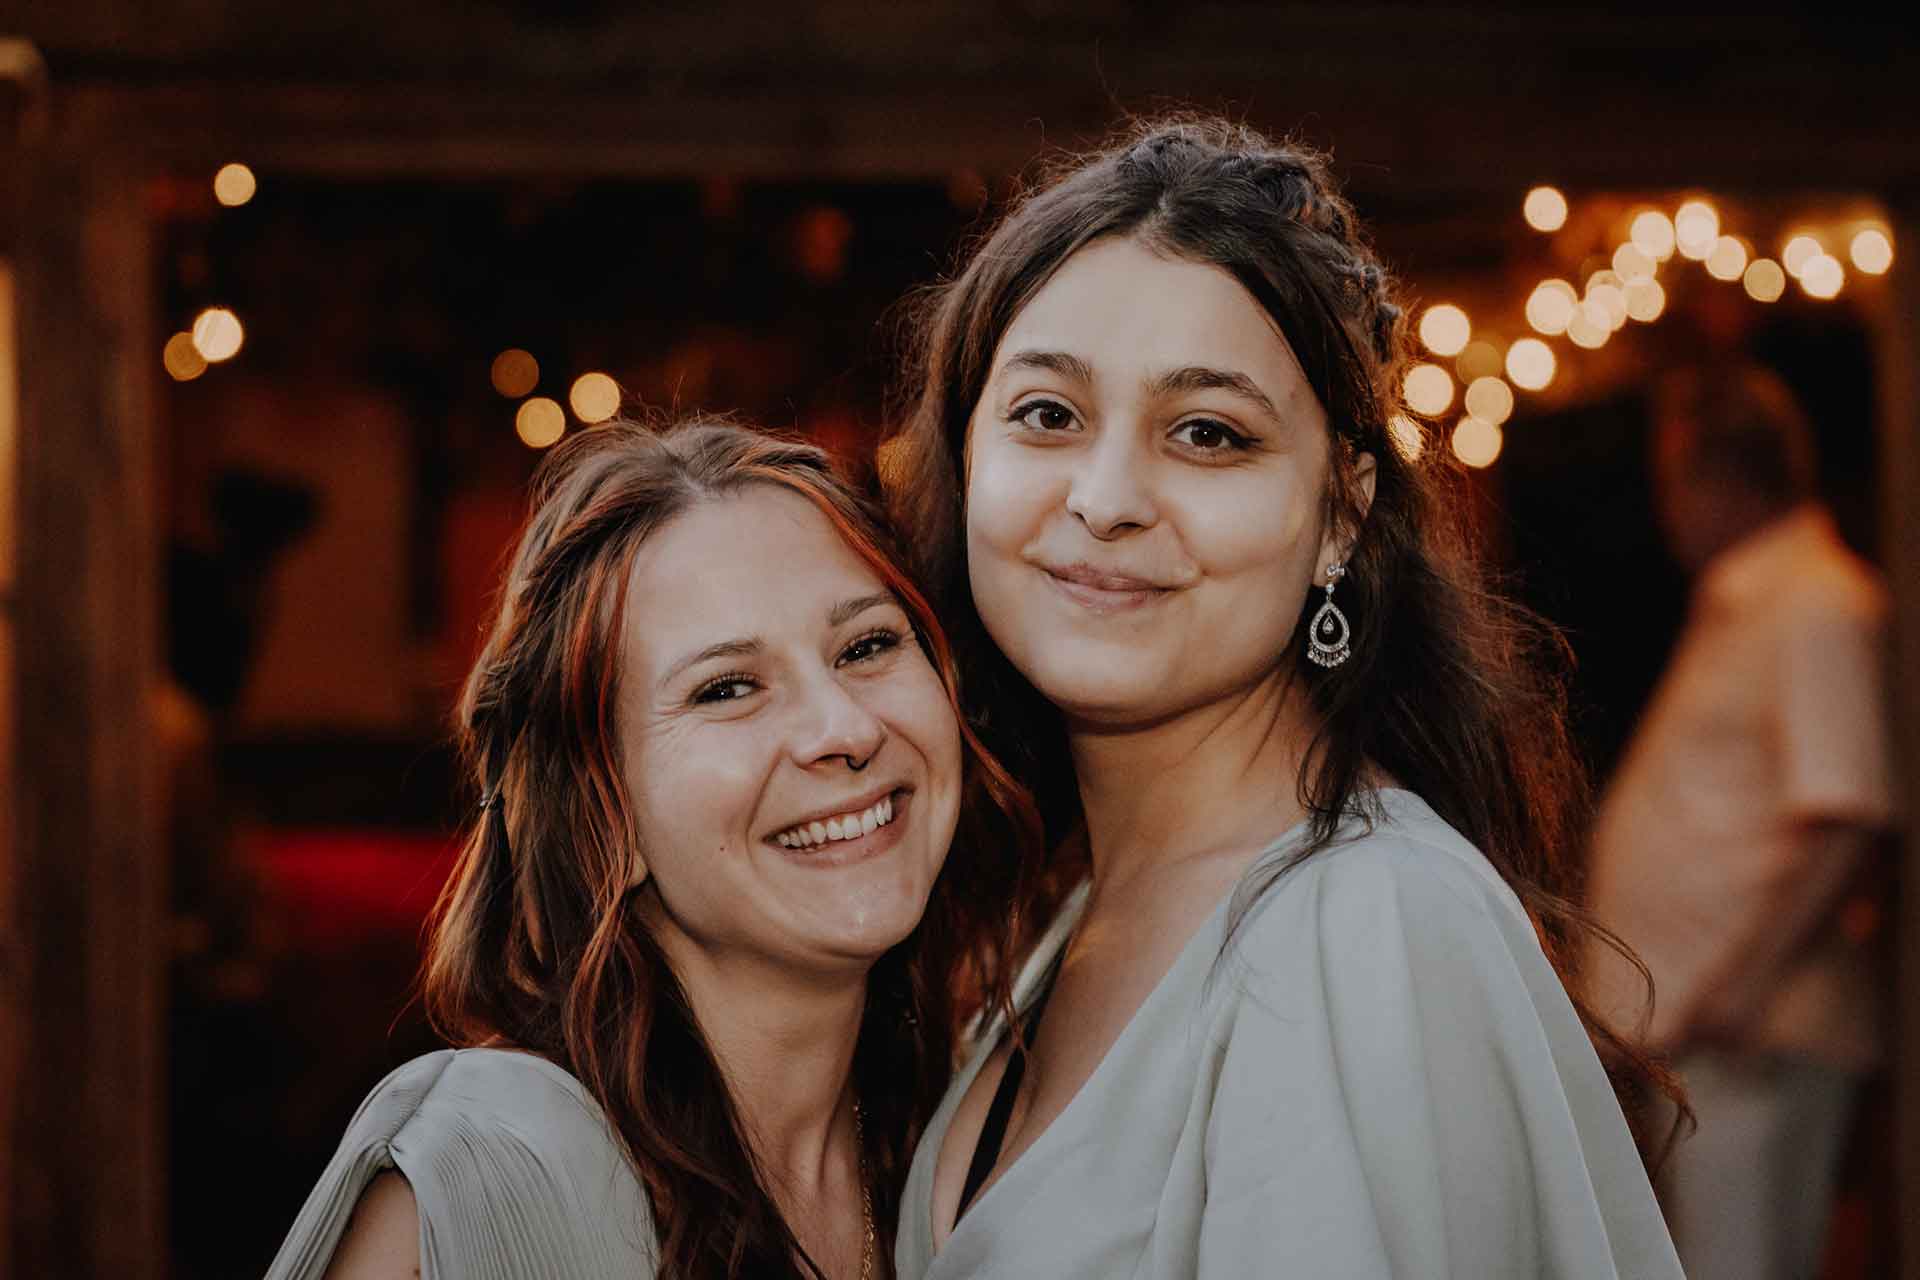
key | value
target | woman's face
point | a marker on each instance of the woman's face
(792, 757)
(1146, 482)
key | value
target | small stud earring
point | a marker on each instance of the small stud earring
(1329, 636)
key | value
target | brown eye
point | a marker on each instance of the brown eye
(1209, 436)
(1044, 415)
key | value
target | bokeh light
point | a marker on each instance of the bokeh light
(1545, 209)
(182, 359)
(1728, 259)
(1490, 400)
(1476, 442)
(1590, 326)
(1407, 436)
(1652, 234)
(539, 422)
(1612, 300)
(1696, 229)
(1631, 262)
(1764, 280)
(1646, 300)
(1428, 389)
(1479, 360)
(1798, 252)
(515, 373)
(217, 334)
(1530, 364)
(595, 397)
(1550, 306)
(1444, 328)
(234, 185)
(1871, 251)
(1823, 276)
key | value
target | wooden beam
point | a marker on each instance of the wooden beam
(89, 871)
(1899, 398)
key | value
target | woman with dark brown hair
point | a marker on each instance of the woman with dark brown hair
(698, 944)
(1310, 1014)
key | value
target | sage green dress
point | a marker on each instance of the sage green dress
(515, 1172)
(1378, 1074)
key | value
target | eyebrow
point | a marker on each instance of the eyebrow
(1060, 362)
(1201, 378)
(1192, 377)
(841, 614)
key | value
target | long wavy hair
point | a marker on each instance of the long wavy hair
(1454, 690)
(538, 939)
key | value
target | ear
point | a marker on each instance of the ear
(1337, 544)
(638, 873)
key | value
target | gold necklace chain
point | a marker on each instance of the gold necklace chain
(866, 1193)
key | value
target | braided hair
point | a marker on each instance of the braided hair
(1452, 689)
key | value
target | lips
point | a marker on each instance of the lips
(1104, 590)
(832, 823)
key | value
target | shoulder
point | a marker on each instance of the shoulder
(1400, 869)
(499, 1097)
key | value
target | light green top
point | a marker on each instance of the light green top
(1381, 1076)
(514, 1170)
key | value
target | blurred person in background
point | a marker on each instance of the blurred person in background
(1737, 831)
(699, 950)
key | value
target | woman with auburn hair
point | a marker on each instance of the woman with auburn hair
(698, 946)
(1311, 1013)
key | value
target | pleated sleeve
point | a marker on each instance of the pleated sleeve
(1403, 1089)
(513, 1169)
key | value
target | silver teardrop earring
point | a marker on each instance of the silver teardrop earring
(1329, 635)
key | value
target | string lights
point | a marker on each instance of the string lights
(1626, 289)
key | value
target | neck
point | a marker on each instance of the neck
(1213, 780)
(785, 1046)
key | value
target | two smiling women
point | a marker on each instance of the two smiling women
(713, 931)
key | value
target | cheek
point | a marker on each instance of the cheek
(694, 796)
(1008, 496)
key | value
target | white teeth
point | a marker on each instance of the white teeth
(843, 826)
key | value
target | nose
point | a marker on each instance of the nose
(1110, 493)
(835, 727)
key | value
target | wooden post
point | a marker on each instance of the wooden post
(88, 871)
(1899, 397)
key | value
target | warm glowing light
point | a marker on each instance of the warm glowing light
(1798, 252)
(1871, 251)
(1696, 228)
(1727, 260)
(1551, 305)
(515, 372)
(1652, 234)
(1612, 300)
(1445, 329)
(182, 359)
(1490, 400)
(1429, 390)
(234, 185)
(1481, 359)
(1590, 326)
(1646, 300)
(1476, 442)
(1764, 280)
(1545, 209)
(1823, 276)
(595, 397)
(1407, 436)
(1530, 364)
(540, 422)
(217, 334)
(1632, 263)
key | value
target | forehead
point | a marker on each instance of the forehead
(749, 564)
(1128, 309)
